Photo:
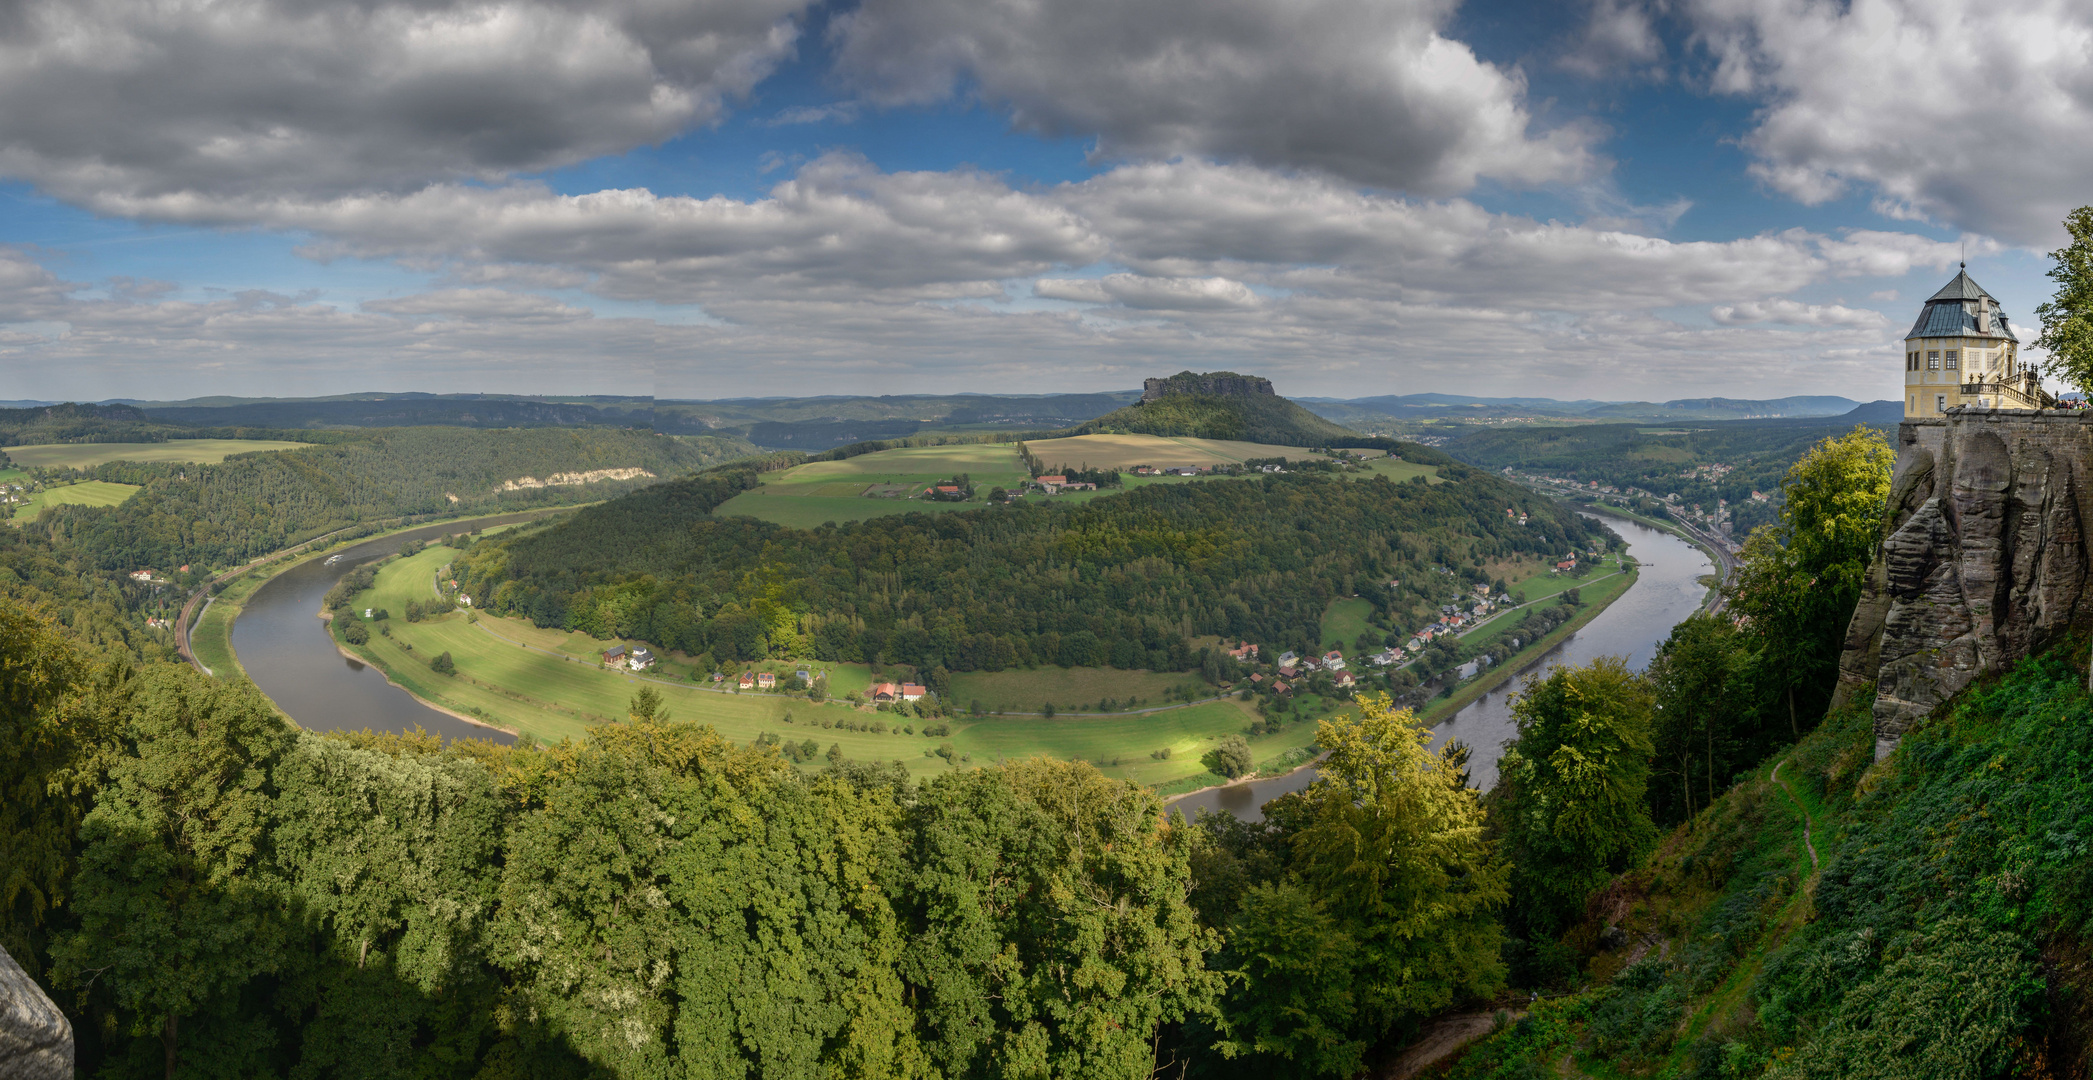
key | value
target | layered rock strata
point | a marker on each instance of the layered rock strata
(1984, 560)
(1216, 384)
(36, 1041)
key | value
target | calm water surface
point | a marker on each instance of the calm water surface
(286, 649)
(1667, 591)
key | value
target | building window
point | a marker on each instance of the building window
(1940, 403)
(1951, 359)
(1933, 361)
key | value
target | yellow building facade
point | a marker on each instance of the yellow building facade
(1963, 352)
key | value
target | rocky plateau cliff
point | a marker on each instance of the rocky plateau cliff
(1984, 561)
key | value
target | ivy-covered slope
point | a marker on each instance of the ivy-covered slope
(1939, 930)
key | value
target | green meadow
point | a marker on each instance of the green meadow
(87, 493)
(88, 455)
(821, 491)
(807, 495)
(550, 684)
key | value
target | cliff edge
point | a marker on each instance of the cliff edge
(1983, 561)
(1213, 383)
(36, 1041)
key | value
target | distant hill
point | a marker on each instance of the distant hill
(1369, 411)
(1876, 412)
(1726, 408)
(1187, 405)
(408, 410)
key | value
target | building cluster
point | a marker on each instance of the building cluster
(635, 659)
(1057, 483)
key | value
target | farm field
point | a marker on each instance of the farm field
(88, 493)
(545, 683)
(807, 495)
(1070, 689)
(88, 455)
(1127, 451)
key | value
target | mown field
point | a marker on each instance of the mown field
(819, 491)
(549, 684)
(89, 493)
(87, 455)
(823, 491)
(1069, 689)
(1127, 451)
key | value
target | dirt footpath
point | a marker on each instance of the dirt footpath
(1441, 1038)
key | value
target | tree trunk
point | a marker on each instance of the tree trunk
(1792, 725)
(1710, 730)
(167, 1044)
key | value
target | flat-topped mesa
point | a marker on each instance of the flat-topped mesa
(1213, 383)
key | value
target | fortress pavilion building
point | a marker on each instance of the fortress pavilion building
(1962, 352)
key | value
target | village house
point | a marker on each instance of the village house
(614, 655)
(142, 576)
(1279, 686)
(1333, 660)
(1386, 657)
(766, 681)
(885, 691)
(748, 680)
(1288, 671)
(640, 659)
(1051, 483)
(803, 677)
(1345, 680)
(1244, 651)
(912, 692)
(1286, 659)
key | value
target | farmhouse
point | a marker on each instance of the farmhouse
(614, 655)
(766, 681)
(1243, 651)
(912, 692)
(641, 659)
(885, 691)
(748, 679)
(142, 576)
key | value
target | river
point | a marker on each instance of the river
(286, 649)
(1666, 592)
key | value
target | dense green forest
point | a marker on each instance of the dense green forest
(71, 423)
(220, 515)
(1124, 581)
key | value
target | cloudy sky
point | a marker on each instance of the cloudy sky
(721, 198)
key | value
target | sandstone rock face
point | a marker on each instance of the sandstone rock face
(1223, 384)
(36, 1042)
(1984, 561)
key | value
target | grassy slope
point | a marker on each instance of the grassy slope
(807, 495)
(1942, 933)
(88, 493)
(1127, 451)
(87, 455)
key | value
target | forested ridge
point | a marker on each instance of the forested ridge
(1122, 581)
(212, 893)
(220, 515)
